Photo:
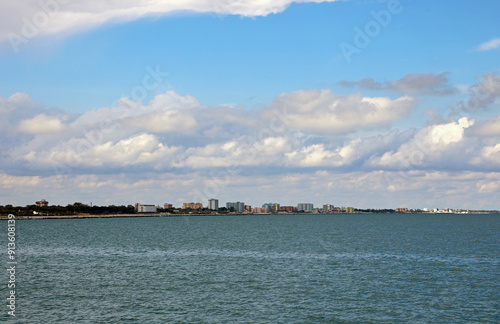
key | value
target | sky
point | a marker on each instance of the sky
(370, 104)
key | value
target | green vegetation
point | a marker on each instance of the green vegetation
(74, 209)
(376, 211)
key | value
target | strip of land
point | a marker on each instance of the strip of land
(83, 216)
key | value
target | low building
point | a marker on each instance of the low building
(42, 203)
(288, 209)
(401, 210)
(260, 210)
(140, 208)
(168, 206)
(272, 207)
(192, 205)
(348, 210)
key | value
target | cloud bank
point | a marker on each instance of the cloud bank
(191, 151)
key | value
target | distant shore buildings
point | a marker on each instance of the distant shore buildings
(267, 208)
(213, 204)
(305, 207)
(140, 208)
(260, 210)
(238, 207)
(42, 203)
(288, 209)
(272, 207)
(192, 205)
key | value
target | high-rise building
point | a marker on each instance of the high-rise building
(213, 204)
(327, 208)
(306, 207)
(238, 207)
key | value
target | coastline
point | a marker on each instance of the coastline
(84, 216)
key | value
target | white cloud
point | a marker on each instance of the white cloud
(488, 187)
(323, 112)
(487, 128)
(66, 17)
(10, 181)
(432, 146)
(143, 148)
(242, 151)
(314, 155)
(492, 153)
(442, 135)
(102, 148)
(41, 124)
(487, 46)
(167, 133)
(166, 122)
(482, 95)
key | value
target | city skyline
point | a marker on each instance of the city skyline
(267, 207)
(366, 104)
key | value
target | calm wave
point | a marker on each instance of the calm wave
(260, 269)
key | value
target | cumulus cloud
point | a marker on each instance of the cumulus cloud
(166, 122)
(9, 181)
(296, 131)
(21, 119)
(42, 124)
(490, 45)
(139, 149)
(72, 16)
(323, 112)
(304, 138)
(492, 153)
(481, 95)
(486, 128)
(427, 84)
(432, 147)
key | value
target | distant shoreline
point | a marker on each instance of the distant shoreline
(35, 217)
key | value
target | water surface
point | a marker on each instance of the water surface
(259, 269)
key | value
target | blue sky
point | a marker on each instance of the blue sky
(409, 119)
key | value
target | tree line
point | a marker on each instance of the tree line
(72, 209)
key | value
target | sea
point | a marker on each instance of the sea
(359, 268)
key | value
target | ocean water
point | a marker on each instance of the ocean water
(258, 269)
